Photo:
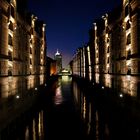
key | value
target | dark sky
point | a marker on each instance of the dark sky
(68, 22)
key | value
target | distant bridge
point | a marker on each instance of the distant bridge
(65, 72)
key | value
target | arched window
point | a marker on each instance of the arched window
(129, 71)
(11, 26)
(12, 11)
(10, 40)
(129, 39)
(128, 25)
(126, 10)
(10, 55)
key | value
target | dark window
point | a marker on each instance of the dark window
(139, 67)
(128, 25)
(108, 49)
(108, 39)
(30, 61)
(107, 60)
(11, 26)
(12, 12)
(128, 54)
(10, 55)
(10, 41)
(30, 50)
(9, 73)
(128, 39)
(126, 10)
(129, 71)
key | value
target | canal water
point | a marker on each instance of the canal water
(70, 109)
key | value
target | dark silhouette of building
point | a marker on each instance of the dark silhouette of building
(51, 67)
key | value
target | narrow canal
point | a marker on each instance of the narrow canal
(74, 109)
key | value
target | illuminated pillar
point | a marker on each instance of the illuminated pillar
(96, 54)
(107, 44)
(84, 65)
(128, 27)
(89, 62)
(32, 40)
(42, 50)
(11, 25)
(42, 56)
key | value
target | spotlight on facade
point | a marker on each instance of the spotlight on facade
(103, 87)
(121, 95)
(45, 85)
(17, 97)
(93, 83)
(36, 88)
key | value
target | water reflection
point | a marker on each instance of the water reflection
(35, 130)
(65, 78)
(40, 124)
(105, 116)
(89, 122)
(58, 98)
(97, 125)
(35, 125)
(27, 133)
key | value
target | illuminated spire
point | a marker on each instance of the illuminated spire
(57, 53)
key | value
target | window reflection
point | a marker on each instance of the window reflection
(97, 125)
(40, 124)
(27, 133)
(35, 130)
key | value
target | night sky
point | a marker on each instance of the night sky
(68, 22)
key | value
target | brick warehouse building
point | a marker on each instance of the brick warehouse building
(112, 56)
(22, 49)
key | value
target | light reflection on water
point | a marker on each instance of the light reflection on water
(62, 86)
(40, 124)
(104, 119)
(65, 78)
(97, 125)
(89, 122)
(33, 127)
(58, 98)
(27, 133)
(35, 130)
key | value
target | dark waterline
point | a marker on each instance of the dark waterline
(69, 109)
